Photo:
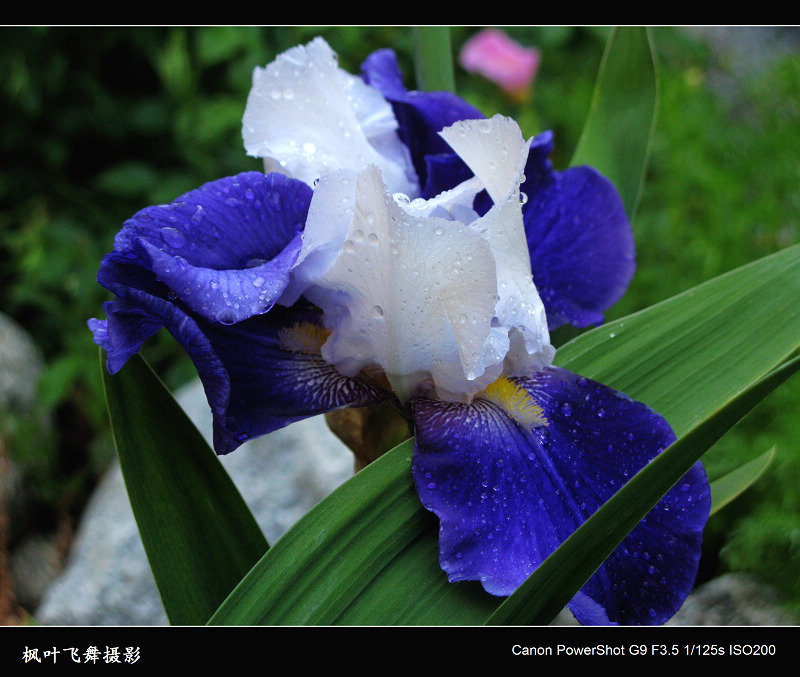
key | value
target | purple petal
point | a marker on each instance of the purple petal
(226, 248)
(507, 494)
(277, 375)
(446, 171)
(579, 237)
(122, 334)
(421, 115)
(259, 375)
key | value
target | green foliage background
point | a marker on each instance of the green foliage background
(98, 123)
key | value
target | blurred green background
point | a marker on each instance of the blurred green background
(98, 123)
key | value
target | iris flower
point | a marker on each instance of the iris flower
(403, 249)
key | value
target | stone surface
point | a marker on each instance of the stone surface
(107, 580)
(24, 424)
(25, 429)
(34, 564)
(20, 368)
(733, 599)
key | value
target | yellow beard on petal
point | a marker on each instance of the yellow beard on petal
(516, 402)
(303, 337)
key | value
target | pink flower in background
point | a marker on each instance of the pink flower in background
(500, 59)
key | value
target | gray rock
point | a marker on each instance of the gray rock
(107, 580)
(20, 369)
(733, 599)
(33, 565)
(24, 424)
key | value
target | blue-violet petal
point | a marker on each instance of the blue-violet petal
(508, 491)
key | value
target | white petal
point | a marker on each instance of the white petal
(312, 117)
(493, 149)
(411, 294)
(496, 152)
(329, 217)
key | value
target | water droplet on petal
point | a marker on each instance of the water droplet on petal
(173, 237)
(226, 317)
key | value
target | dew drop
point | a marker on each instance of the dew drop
(173, 237)
(377, 311)
(226, 317)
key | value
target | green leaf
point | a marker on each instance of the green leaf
(433, 59)
(726, 488)
(339, 563)
(689, 355)
(616, 136)
(199, 535)
(368, 553)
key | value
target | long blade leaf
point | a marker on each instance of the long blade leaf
(616, 136)
(199, 535)
(726, 488)
(694, 358)
(330, 567)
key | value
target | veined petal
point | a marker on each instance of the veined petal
(312, 117)
(510, 478)
(224, 249)
(277, 375)
(259, 375)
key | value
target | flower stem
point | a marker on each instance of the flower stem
(433, 58)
